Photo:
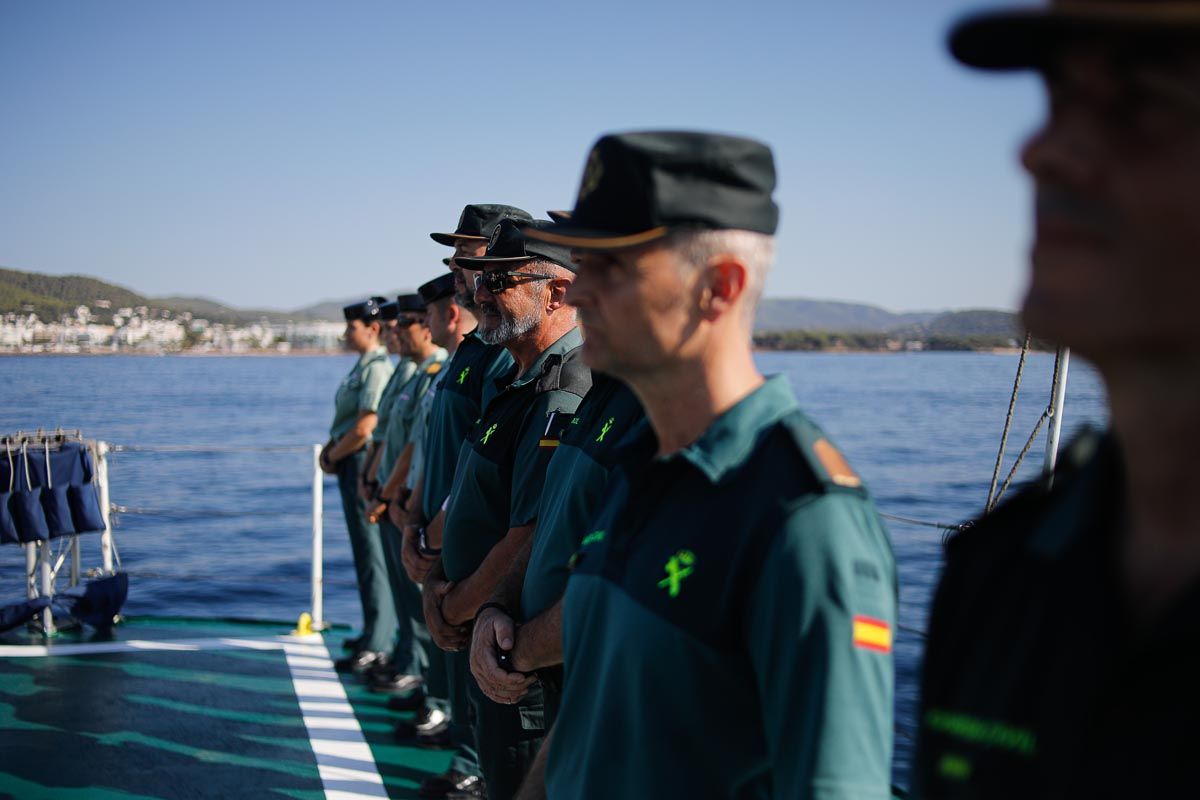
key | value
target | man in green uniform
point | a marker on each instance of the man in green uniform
(576, 486)
(447, 322)
(468, 385)
(354, 421)
(1064, 641)
(498, 481)
(728, 621)
(368, 481)
(413, 336)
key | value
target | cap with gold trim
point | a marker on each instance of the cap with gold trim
(478, 220)
(1023, 37)
(512, 244)
(638, 187)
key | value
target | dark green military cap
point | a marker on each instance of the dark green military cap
(410, 302)
(511, 245)
(436, 289)
(389, 310)
(478, 220)
(367, 311)
(638, 187)
(1022, 38)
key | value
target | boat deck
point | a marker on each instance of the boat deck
(188, 708)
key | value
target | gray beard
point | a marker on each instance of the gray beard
(510, 329)
(465, 300)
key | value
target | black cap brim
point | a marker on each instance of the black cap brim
(567, 235)
(449, 239)
(1023, 38)
(476, 263)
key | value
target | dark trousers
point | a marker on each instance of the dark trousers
(552, 686)
(412, 637)
(370, 566)
(507, 738)
(462, 715)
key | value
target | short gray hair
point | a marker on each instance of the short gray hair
(757, 250)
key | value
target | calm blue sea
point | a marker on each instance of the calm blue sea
(229, 533)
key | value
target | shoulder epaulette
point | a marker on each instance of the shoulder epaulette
(566, 373)
(827, 463)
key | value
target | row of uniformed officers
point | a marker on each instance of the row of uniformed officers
(601, 556)
(507, 454)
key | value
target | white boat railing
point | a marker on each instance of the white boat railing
(42, 567)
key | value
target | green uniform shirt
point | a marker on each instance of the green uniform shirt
(360, 390)
(727, 625)
(416, 467)
(576, 479)
(498, 481)
(400, 375)
(1036, 684)
(403, 412)
(469, 385)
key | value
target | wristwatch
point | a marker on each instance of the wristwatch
(423, 545)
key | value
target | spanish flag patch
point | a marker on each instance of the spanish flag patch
(548, 443)
(872, 634)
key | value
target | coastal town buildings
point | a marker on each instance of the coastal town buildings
(138, 330)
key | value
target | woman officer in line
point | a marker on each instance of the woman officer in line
(354, 419)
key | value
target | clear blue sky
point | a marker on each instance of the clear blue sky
(273, 154)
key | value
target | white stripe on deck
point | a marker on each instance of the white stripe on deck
(326, 710)
(345, 762)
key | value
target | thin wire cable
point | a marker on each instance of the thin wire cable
(941, 526)
(200, 513)
(1012, 405)
(218, 578)
(198, 448)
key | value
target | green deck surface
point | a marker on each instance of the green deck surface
(145, 723)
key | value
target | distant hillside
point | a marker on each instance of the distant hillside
(332, 309)
(218, 312)
(51, 296)
(793, 313)
(973, 322)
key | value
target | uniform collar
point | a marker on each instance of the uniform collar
(731, 438)
(566, 343)
(372, 355)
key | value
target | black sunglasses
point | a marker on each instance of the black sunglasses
(405, 320)
(496, 281)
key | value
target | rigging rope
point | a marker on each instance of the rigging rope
(1048, 413)
(199, 448)
(200, 513)
(992, 499)
(941, 526)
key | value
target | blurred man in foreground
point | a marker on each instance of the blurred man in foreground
(1064, 640)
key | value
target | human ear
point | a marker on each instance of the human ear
(723, 285)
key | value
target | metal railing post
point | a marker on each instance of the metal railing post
(47, 589)
(318, 508)
(1057, 399)
(74, 561)
(106, 546)
(31, 561)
